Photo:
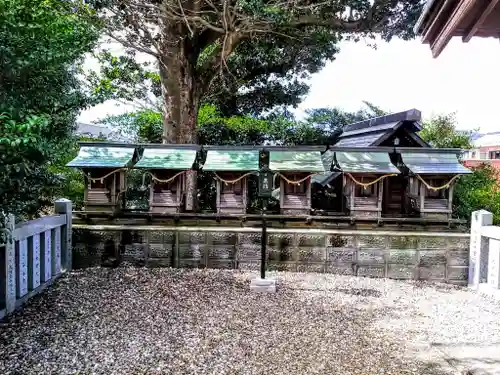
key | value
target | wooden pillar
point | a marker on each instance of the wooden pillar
(244, 189)
(282, 193)
(122, 188)
(151, 195)
(450, 200)
(217, 198)
(87, 183)
(308, 193)
(352, 188)
(379, 198)
(113, 190)
(422, 195)
(178, 193)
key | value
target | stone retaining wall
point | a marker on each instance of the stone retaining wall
(400, 255)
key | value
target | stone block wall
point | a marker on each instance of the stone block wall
(399, 255)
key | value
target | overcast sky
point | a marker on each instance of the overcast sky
(402, 75)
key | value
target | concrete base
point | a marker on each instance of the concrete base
(263, 285)
(488, 291)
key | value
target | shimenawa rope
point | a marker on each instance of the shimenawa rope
(94, 179)
(226, 182)
(365, 185)
(159, 179)
(447, 185)
(298, 182)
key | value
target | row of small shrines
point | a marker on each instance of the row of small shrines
(367, 182)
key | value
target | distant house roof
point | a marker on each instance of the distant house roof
(487, 140)
(92, 130)
(374, 131)
(99, 131)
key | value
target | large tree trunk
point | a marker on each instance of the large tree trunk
(181, 95)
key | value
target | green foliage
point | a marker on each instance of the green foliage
(473, 192)
(215, 129)
(478, 191)
(440, 131)
(43, 43)
(144, 125)
(24, 175)
(124, 78)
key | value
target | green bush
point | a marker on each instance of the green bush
(479, 190)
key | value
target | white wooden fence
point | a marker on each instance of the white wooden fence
(35, 254)
(484, 256)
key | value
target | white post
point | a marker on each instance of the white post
(22, 268)
(56, 251)
(10, 265)
(478, 247)
(64, 207)
(46, 256)
(34, 262)
(494, 264)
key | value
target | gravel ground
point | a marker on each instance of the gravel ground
(164, 321)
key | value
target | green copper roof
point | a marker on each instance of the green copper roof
(433, 163)
(222, 160)
(102, 157)
(365, 162)
(167, 158)
(296, 161)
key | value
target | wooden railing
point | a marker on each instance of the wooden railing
(33, 255)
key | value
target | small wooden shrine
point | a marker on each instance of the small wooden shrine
(431, 179)
(167, 166)
(294, 169)
(363, 174)
(104, 168)
(231, 167)
(379, 168)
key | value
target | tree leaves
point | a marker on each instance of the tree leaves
(43, 42)
(440, 131)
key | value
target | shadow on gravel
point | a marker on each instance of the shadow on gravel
(363, 292)
(481, 358)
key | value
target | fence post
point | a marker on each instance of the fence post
(10, 265)
(65, 207)
(478, 255)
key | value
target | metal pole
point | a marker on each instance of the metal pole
(263, 241)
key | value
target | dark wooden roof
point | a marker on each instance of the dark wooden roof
(413, 115)
(443, 19)
(373, 132)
